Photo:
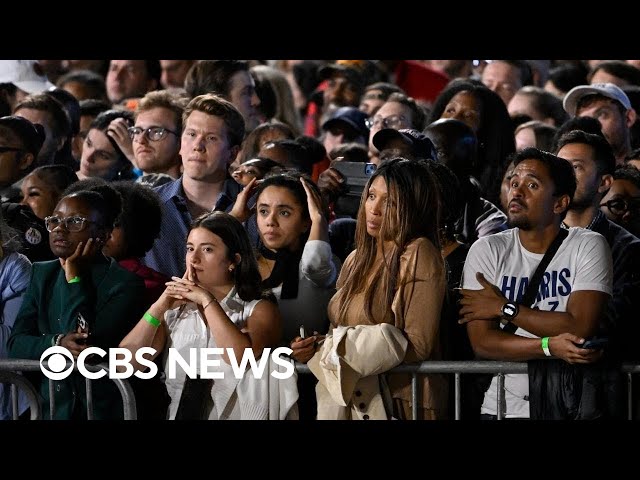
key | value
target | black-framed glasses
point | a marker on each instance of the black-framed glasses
(154, 134)
(11, 149)
(620, 206)
(392, 121)
(75, 223)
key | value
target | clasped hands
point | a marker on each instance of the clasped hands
(188, 289)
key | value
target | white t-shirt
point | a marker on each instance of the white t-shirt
(583, 262)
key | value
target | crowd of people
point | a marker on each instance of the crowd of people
(363, 213)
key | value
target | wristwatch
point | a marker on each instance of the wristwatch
(509, 311)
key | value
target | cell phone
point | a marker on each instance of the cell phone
(82, 326)
(595, 343)
(356, 176)
(356, 173)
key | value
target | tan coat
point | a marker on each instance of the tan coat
(347, 366)
(415, 311)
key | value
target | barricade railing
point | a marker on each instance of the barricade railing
(9, 369)
(457, 368)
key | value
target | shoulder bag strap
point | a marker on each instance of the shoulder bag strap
(531, 293)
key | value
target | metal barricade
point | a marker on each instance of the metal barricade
(9, 369)
(457, 368)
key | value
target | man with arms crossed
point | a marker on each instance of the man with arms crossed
(572, 293)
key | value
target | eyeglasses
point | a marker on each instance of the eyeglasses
(11, 149)
(72, 224)
(392, 121)
(620, 206)
(155, 134)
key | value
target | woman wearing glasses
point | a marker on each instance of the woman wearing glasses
(82, 282)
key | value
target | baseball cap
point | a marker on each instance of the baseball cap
(609, 90)
(31, 134)
(421, 145)
(27, 75)
(351, 116)
(358, 72)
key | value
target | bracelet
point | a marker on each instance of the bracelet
(151, 319)
(55, 341)
(545, 346)
(74, 280)
(204, 307)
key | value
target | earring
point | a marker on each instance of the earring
(231, 268)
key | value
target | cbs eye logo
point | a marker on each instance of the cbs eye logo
(53, 363)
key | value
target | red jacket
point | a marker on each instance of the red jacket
(154, 281)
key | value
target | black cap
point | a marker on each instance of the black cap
(32, 135)
(420, 144)
(358, 72)
(350, 116)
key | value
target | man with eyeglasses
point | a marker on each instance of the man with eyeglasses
(157, 131)
(594, 162)
(399, 111)
(20, 142)
(621, 204)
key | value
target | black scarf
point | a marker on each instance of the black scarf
(284, 272)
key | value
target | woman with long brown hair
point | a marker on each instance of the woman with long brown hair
(396, 276)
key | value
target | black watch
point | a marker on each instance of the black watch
(509, 311)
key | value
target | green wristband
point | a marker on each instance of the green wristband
(74, 280)
(545, 346)
(151, 319)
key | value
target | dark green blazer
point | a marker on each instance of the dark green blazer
(112, 301)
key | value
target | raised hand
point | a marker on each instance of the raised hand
(168, 300)
(240, 209)
(314, 202)
(81, 258)
(331, 184)
(118, 131)
(187, 289)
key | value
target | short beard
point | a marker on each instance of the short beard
(581, 204)
(522, 223)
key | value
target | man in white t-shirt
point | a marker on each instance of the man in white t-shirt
(572, 293)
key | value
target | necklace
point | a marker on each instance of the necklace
(591, 224)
